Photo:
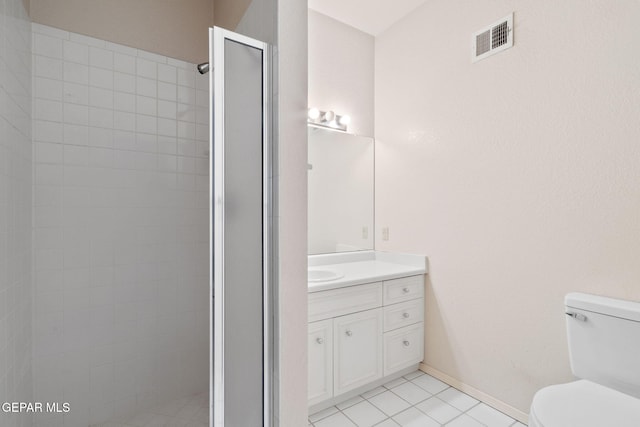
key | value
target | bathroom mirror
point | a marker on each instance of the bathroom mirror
(341, 189)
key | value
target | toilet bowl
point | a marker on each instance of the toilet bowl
(583, 404)
(604, 347)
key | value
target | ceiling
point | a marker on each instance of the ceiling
(370, 16)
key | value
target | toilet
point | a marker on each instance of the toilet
(604, 350)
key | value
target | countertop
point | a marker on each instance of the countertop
(365, 267)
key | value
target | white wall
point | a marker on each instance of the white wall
(259, 21)
(517, 175)
(121, 303)
(15, 209)
(291, 227)
(341, 72)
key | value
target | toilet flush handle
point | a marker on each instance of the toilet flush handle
(577, 316)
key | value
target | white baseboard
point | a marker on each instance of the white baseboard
(477, 394)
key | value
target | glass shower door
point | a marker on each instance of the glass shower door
(240, 214)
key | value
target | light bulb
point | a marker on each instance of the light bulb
(314, 113)
(329, 116)
(344, 120)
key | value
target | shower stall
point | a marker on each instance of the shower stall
(135, 256)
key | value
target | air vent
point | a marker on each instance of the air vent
(492, 39)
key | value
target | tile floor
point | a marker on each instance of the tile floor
(416, 400)
(190, 411)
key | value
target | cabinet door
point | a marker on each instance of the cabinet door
(320, 371)
(358, 349)
(403, 348)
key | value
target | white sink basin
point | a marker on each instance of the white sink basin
(323, 275)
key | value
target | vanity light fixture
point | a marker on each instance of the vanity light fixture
(328, 119)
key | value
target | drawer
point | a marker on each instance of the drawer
(404, 289)
(338, 302)
(403, 314)
(403, 348)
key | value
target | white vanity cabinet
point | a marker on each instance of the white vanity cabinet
(363, 333)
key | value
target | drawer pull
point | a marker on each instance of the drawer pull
(319, 340)
(349, 333)
(405, 315)
(405, 290)
(406, 343)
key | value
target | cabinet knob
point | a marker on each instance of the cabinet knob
(349, 333)
(405, 315)
(406, 343)
(405, 290)
(319, 340)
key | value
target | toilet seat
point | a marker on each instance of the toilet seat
(583, 404)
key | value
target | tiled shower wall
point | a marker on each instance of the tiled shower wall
(15, 209)
(120, 228)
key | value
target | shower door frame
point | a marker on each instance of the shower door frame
(217, 38)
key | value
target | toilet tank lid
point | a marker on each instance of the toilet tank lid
(608, 306)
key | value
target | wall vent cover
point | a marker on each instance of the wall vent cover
(492, 39)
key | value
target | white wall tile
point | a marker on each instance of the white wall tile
(124, 140)
(186, 95)
(146, 143)
(167, 91)
(186, 130)
(99, 77)
(187, 77)
(76, 134)
(76, 114)
(76, 52)
(167, 145)
(146, 68)
(76, 93)
(48, 153)
(47, 110)
(124, 102)
(146, 87)
(47, 67)
(47, 131)
(124, 121)
(186, 113)
(167, 73)
(147, 105)
(101, 58)
(76, 73)
(167, 109)
(146, 124)
(101, 137)
(75, 155)
(167, 127)
(102, 98)
(123, 82)
(47, 46)
(124, 63)
(100, 117)
(47, 89)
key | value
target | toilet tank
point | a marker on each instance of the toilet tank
(604, 341)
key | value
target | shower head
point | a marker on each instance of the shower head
(203, 68)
